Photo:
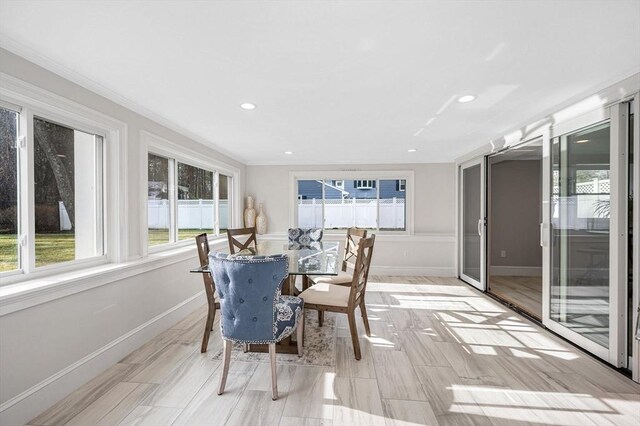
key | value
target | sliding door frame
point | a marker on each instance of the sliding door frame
(482, 223)
(616, 352)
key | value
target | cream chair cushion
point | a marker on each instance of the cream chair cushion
(326, 294)
(341, 278)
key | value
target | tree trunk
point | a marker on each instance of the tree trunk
(64, 182)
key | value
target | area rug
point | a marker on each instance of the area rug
(319, 345)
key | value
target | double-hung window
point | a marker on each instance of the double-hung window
(370, 202)
(51, 191)
(184, 199)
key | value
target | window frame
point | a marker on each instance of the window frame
(31, 101)
(157, 145)
(407, 175)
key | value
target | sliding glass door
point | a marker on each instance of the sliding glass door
(587, 224)
(472, 223)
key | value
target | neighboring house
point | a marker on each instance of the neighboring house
(349, 189)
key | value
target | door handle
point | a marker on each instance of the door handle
(480, 223)
(542, 239)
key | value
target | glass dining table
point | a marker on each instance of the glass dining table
(318, 258)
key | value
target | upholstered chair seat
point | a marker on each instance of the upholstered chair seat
(343, 278)
(327, 294)
(252, 309)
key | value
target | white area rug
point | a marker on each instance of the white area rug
(319, 345)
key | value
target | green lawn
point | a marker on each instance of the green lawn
(56, 248)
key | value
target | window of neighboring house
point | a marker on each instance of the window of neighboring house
(338, 184)
(401, 185)
(66, 194)
(364, 184)
(184, 200)
(364, 203)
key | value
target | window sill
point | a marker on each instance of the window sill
(35, 291)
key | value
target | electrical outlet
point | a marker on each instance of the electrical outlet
(503, 253)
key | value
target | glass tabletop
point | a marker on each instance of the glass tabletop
(312, 259)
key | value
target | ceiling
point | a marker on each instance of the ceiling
(335, 82)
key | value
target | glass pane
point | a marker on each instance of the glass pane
(355, 204)
(392, 204)
(9, 259)
(67, 192)
(471, 215)
(195, 201)
(224, 189)
(310, 204)
(158, 208)
(580, 237)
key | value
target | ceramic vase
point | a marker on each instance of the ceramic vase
(261, 220)
(249, 214)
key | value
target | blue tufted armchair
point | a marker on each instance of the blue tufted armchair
(252, 308)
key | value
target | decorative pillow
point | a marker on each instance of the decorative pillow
(305, 236)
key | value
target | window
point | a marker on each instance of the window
(183, 201)
(364, 184)
(365, 203)
(67, 206)
(9, 253)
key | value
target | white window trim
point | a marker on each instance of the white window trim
(408, 175)
(153, 144)
(33, 100)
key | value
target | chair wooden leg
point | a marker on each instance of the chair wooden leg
(354, 333)
(365, 317)
(320, 318)
(225, 365)
(300, 334)
(207, 329)
(274, 376)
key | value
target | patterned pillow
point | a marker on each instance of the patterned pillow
(305, 236)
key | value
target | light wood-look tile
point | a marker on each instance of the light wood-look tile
(357, 402)
(397, 377)
(84, 396)
(181, 384)
(301, 421)
(440, 353)
(208, 405)
(151, 416)
(399, 412)
(311, 393)
(256, 408)
(128, 404)
(158, 370)
(103, 405)
(348, 366)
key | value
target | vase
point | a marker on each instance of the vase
(249, 214)
(261, 220)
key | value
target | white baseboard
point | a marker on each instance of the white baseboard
(25, 406)
(516, 271)
(430, 271)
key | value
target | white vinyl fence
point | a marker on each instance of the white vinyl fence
(192, 214)
(352, 212)
(587, 209)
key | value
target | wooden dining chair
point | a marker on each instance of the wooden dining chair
(345, 276)
(337, 298)
(209, 287)
(236, 245)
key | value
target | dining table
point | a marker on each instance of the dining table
(316, 258)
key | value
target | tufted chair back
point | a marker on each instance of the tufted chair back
(305, 236)
(248, 288)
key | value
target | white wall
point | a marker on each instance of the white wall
(49, 348)
(430, 251)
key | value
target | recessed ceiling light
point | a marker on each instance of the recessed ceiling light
(411, 150)
(583, 141)
(288, 152)
(247, 106)
(466, 98)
